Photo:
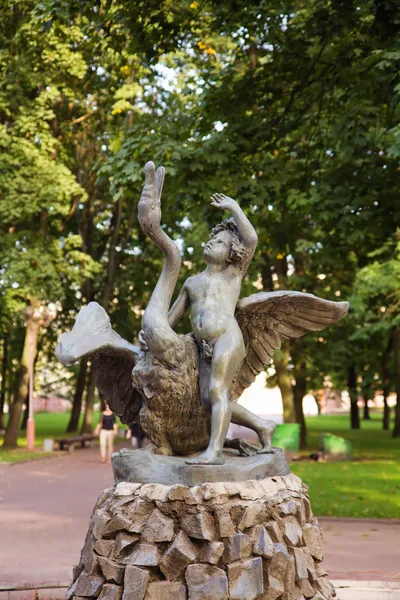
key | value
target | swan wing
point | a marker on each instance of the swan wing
(268, 318)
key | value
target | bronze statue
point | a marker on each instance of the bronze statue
(183, 388)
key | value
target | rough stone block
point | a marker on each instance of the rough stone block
(77, 570)
(312, 572)
(254, 514)
(320, 572)
(306, 588)
(301, 563)
(237, 546)
(225, 524)
(262, 542)
(135, 583)
(100, 520)
(111, 592)
(206, 583)
(154, 491)
(287, 508)
(251, 490)
(178, 492)
(308, 514)
(143, 555)
(246, 579)
(124, 542)
(213, 491)
(292, 532)
(295, 594)
(313, 540)
(116, 524)
(104, 547)
(88, 558)
(159, 528)
(279, 563)
(275, 532)
(126, 489)
(111, 570)
(211, 552)
(326, 588)
(290, 577)
(137, 514)
(275, 589)
(166, 590)
(86, 585)
(198, 525)
(301, 513)
(179, 555)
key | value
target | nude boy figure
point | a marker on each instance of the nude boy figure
(212, 296)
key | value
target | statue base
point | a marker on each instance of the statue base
(215, 541)
(143, 466)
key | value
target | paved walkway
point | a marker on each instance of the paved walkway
(45, 507)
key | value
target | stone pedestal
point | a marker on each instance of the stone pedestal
(248, 540)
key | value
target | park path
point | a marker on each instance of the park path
(45, 507)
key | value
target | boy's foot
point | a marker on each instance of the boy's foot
(265, 434)
(206, 458)
(102, 460)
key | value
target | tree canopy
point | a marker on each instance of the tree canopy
(290, 107)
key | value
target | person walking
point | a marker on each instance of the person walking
(106, 429)
(135, 434)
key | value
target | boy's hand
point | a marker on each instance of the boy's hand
(223, 202)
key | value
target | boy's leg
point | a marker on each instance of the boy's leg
(264, 429)
(228, 355)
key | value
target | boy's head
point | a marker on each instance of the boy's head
(224, 245)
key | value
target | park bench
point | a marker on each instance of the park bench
(69, 443)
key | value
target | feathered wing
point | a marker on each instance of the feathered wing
(268, 318)
(113, 359)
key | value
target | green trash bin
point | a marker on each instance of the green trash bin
(287, 437)
(335, 447)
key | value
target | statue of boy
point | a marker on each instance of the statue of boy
(212, 296)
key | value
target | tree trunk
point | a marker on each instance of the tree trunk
(386, 410)
(366, 416)
(21, 383)
(319, 396)
(73, 424)
(112, 262)
(26, 414)
(352, 388)
(4, 365)
(386, 383)
(87, 424)
(367, 393)
(396, 344)
(281, 361)
(299, 391)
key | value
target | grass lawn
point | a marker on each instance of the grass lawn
(47, 425)
(368, 486)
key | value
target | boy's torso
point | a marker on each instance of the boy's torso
(213, 300)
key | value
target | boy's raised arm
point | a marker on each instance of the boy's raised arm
(246, 230)
(179, 307)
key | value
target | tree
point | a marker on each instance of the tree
(377, 288)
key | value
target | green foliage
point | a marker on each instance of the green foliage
(290, 108)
